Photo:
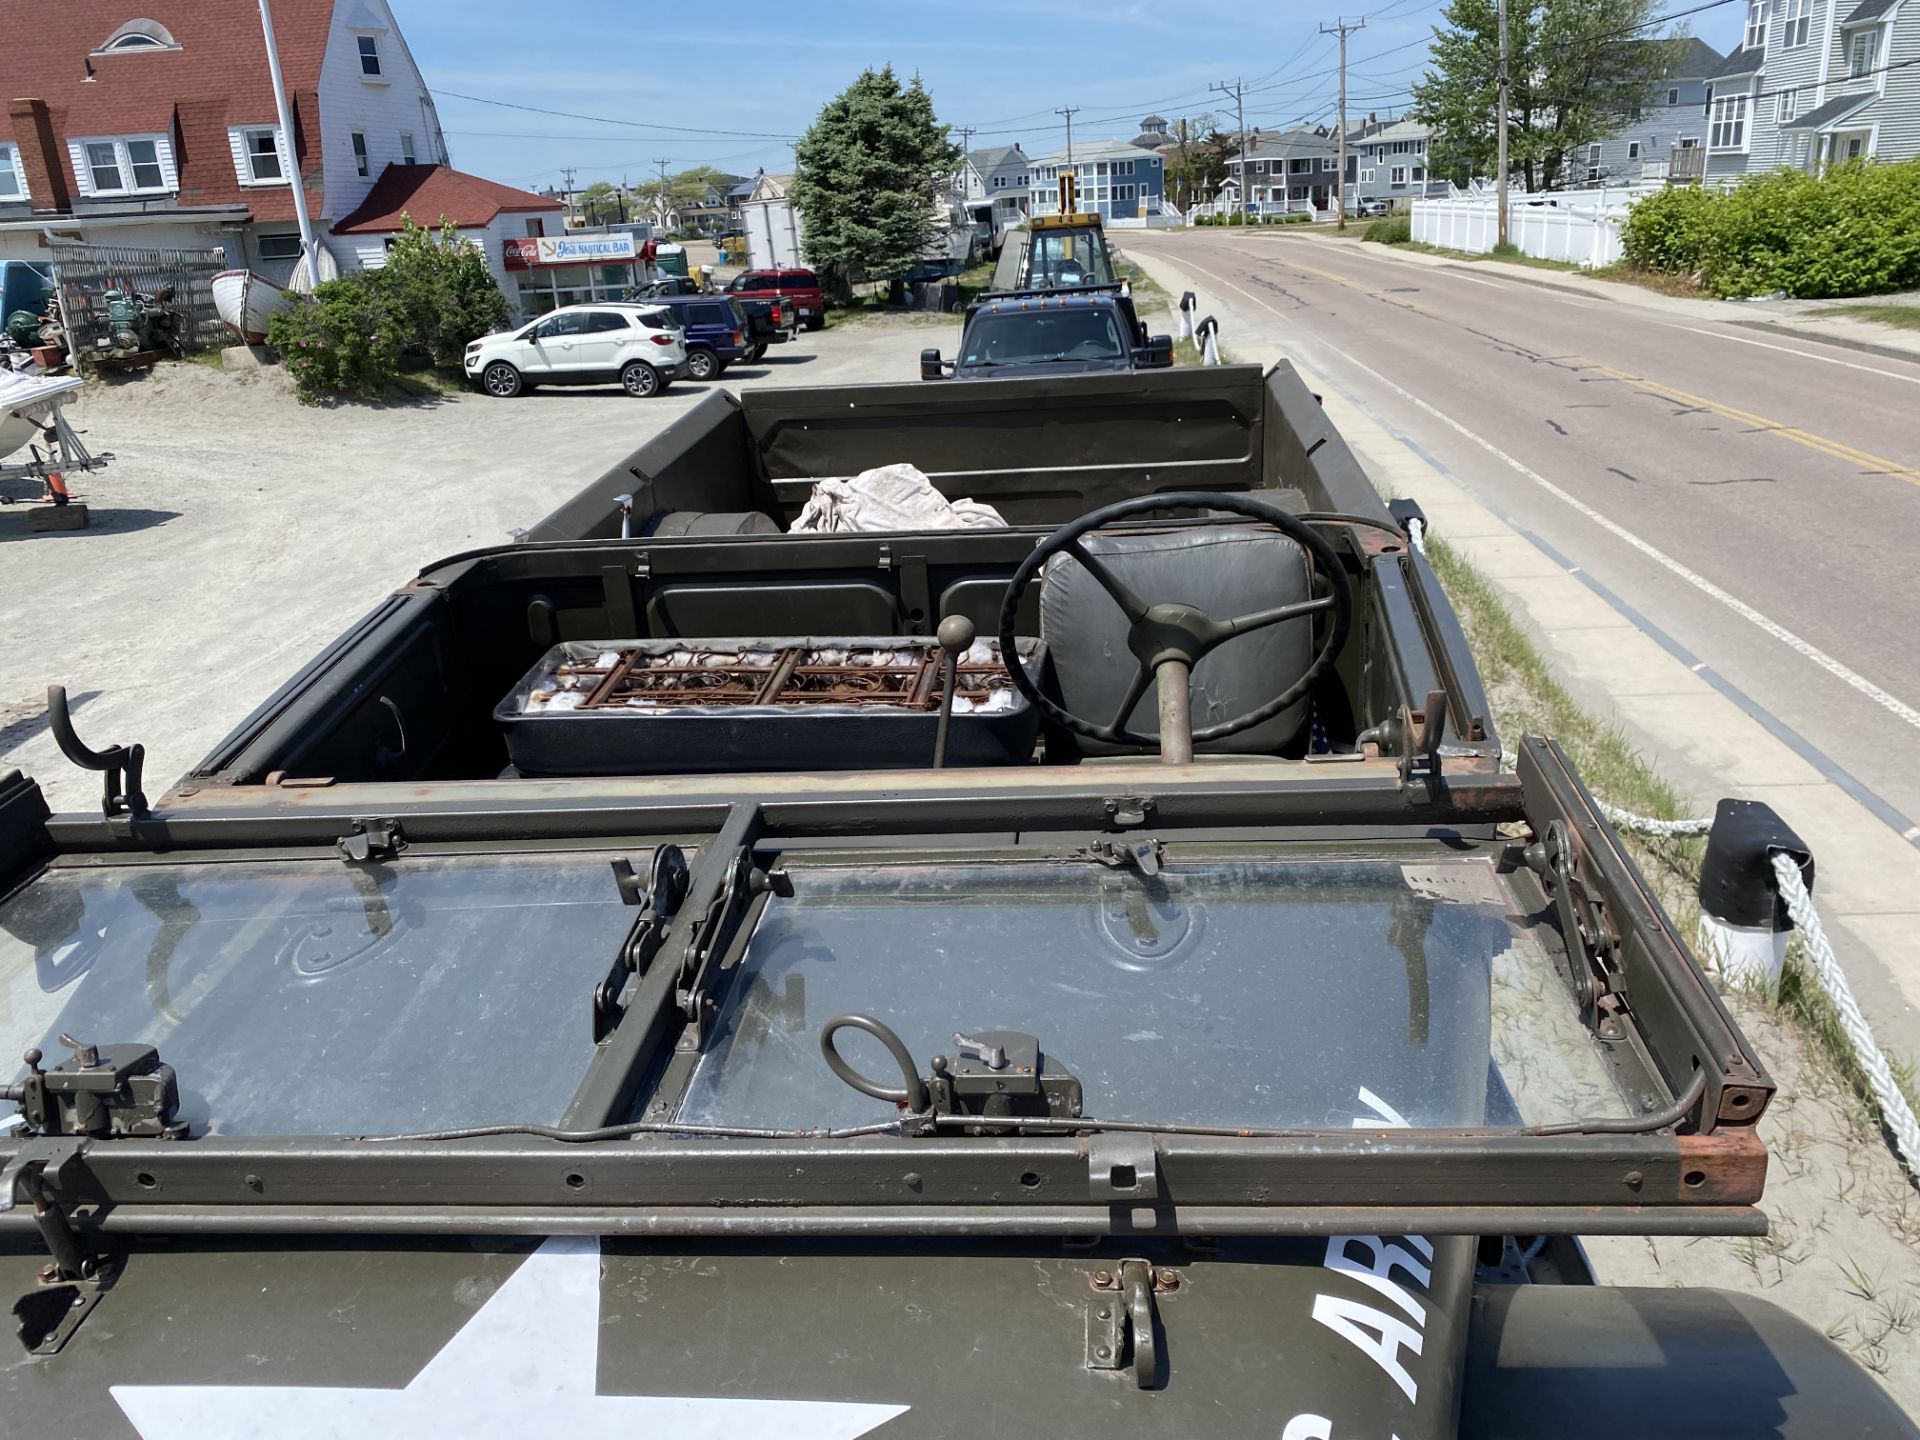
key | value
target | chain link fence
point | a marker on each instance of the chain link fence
(179, 280)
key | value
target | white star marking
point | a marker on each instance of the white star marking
(526, 1363)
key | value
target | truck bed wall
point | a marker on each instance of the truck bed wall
(1041, 451)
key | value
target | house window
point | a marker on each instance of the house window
(1673, 97)
(1863, 55)
(1633, 150)
(406, 147)
(279, 247)
(1796, 25)
(1329, 162)
(1728, 130)
(359, 153)
(369, 56)
(1398, 175)
(263, 156)
(120, 167)
(1366, 177)
(138, 35)
(11, 187)
(1419, 174)
(1785, 105)
(1756, 38)
(1689, 142)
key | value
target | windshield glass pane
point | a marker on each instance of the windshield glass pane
(1068, 258)
(319, 998)
(1033, 337)
(1221, 993)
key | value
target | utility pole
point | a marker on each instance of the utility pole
(1070, 111)
(566, 194)
(966, 148)
(1343, 29)
(1237, 89)
(660, 199)
(1501, 162)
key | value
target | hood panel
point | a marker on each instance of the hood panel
(477, 1340)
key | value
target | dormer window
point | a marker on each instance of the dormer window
(138, 35)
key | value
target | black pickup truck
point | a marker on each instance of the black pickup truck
(1084, 330)
(775, 319)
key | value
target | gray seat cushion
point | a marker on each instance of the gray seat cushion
(1225, 571)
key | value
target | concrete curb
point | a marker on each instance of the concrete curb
(1827, 337)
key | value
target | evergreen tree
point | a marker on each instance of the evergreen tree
(1578, 71)
(866, 175)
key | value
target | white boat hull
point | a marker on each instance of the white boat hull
(27, 403)
(246, 301)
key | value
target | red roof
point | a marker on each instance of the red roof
(218, 77)
(429, 194)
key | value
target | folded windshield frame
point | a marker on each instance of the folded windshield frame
(1699, 1172)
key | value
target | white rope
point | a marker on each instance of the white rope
(1648, 825)
(1894, 1109)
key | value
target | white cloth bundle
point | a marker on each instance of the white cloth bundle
(892, 497)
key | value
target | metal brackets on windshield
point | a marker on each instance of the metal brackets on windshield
(72, 1281)
(1123, 1321)
(121, 797)
(371, 840)
(659, 898)
(1593, 943)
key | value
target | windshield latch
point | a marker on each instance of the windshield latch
(371, 839)
(659, 897)
(1001, 1074)
(1144, 854)
(1123, 1321)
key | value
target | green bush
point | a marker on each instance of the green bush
(444, 291)
(345, 339)
(1394, 230)
(1853, 231)
(1298, 217)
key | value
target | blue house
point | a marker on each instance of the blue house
(1642, 149)
(1120, 180)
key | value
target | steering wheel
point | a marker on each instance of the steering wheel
(1169, 639)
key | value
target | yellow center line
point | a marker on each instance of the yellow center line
(1821, 444)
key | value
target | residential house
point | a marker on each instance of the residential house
(709, 210)
(995, 184)
(1642, 149)
(1293, 170)
(1153, 134)
(1387, 160)
(155, 124)
(1116, 179)
(1817, 82)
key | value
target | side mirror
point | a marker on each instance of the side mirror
(1159, 351)
(930, 366)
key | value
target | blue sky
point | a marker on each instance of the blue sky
(741, 80)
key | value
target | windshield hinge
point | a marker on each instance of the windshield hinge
(1144, 854)
(707, 941)
(371, 840)
(1421, 732)
(659, 900)
(1123, 1321)
(1592, 940)
(74, 1276)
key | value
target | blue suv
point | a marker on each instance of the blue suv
(717, 331)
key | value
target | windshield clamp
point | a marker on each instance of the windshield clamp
(1144, 854)
(1593, 942)
(659, 898)
(72, 1281)
(105, 1092)
(121, 799)
(371, 840)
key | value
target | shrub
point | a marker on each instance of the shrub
(1394, 230)
(1853, 231)
(347, 338)
(444, 291)
(1298, 217)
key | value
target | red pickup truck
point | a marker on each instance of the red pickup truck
(800, 286)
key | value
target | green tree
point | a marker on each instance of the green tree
(1196, 158)
(442, 287)
(1578, 72)
(866, 175)
(600, 204)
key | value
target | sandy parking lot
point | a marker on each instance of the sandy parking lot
(238, 531)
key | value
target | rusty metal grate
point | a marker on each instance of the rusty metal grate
(902, 677)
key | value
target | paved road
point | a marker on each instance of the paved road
(1755, 500)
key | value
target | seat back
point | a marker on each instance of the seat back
(1223, 570)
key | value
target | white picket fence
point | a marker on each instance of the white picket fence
(1579, 226)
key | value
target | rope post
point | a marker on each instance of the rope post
(1207, 332)
(1188, 305)
(1743, 917)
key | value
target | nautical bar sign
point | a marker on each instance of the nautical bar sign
(526, 253)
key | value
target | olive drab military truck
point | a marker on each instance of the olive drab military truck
(1084, 976)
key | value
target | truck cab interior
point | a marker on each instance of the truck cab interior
(1199, 572)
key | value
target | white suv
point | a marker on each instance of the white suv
(640, 347)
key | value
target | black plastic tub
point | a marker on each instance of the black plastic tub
(604, 735)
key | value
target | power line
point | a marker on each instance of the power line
(605, 120)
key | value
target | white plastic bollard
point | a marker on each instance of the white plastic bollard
(1187, 306)
(1743, 921)
(1208, 333)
